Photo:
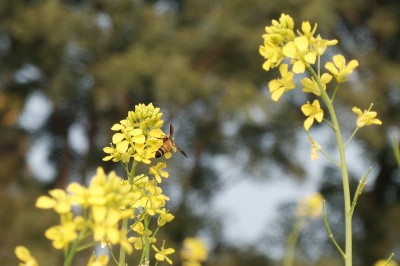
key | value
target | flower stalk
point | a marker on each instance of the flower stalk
(304, 50)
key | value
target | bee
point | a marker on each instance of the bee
(168, 143)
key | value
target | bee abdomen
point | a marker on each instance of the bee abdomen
(160, 152)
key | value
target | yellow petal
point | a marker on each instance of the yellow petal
(45, 202)
(117, 137)
(290, 50)
(298, 67)
(308, 123)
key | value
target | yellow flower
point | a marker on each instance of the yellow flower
(102, 260)
(165, 217)
(158, 171)
(300, 53)
(278, 87)
(272, 54)
(63, 234)
(366, 118)
(310, 207)
(59, 201)
(194, 252)
(339, 69)
(310, 85)
(25, 256)
(314, 112)
(162, 254)
(137, 136)
(319, 45)
(385, 263)
(275, 37)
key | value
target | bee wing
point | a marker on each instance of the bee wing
(181, 151)
(171, 130)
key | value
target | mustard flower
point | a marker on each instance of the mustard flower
(138, 136)
(58, 201)
(139, 228)
(385, 263)
(158, 171)
(164, 217)
(106, 198)
(101, 260)
(62, 235)
(280, 31)
(366, 118)
(278, 87)
(318, 44)
(314, 112)
(25, 256)
(339, 69)
(310, 207)
(137, 242)
(276, 35)
(310, 85)
(272, 54)
(307, 31)
(300, 53)
(162, 254)
(194, 252)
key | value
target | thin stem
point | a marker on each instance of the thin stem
(330, 158)
(328, 229)
(334, 93)
(329, 124)
(343, 166)
(291, 244)
(389, 259)
(396, 150)
(351, 137)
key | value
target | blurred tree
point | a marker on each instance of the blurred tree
(198, 61)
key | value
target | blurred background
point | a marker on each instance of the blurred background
(71, 69)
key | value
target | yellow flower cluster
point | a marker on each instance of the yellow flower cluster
(111, 207)
(104, 204)
(302, 48)
(138, 136)
(194, 252)
(296, 51)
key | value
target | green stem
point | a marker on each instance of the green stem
(329, 124)
(396, 150)
(351, 137)
(343, 167)
(327, 156)
(124, 226)
(146, 248)
(291, 244)
(334, 93)
(328, 229)
(122, 253)
(74, 248)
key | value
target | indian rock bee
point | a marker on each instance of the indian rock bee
(168, 143)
